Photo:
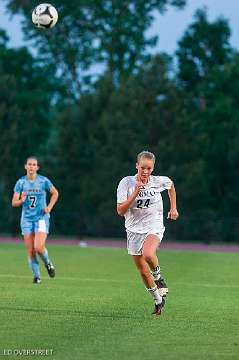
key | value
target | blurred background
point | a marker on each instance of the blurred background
(111, 79)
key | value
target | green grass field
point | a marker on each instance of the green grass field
(97, 308)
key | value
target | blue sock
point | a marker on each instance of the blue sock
(34, 265)
(44, 256)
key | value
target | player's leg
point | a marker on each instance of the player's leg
(150, 246)
(40, 240)
(149, 249)
(144, 271)
(42, 227)
(135, 243)
(149, 282)
(32, 257)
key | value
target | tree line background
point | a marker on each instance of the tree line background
(93, 92)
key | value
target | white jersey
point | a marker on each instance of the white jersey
(146, 212)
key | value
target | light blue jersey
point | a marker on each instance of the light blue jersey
(33, 206)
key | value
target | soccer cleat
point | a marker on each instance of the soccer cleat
(158, 308)
(162, 286)
(36, 280)
(51, 270)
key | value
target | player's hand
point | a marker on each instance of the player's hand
(138, 186)
(23, 196)
(173, 214)
(47, 210)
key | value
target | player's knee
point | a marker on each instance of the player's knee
(148, 257)
(31, 253)
(39, 249)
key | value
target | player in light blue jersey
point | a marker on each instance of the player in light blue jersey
(30, 193)
(139, 201)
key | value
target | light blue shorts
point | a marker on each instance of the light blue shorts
(41, 225)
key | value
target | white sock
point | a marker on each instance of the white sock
(156, 273)
(155, 294)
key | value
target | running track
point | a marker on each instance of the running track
(115, 243)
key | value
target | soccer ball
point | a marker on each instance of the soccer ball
(44, 16)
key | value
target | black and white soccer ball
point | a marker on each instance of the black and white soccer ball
(44, 16)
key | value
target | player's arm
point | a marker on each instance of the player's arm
(54, 197)
(173, 213)
(18, 199)
(123, 207)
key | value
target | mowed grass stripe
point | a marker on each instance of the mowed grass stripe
(69, 278)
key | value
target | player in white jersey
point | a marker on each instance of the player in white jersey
(139, 201)
(30, 193)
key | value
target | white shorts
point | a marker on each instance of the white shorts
(135, 241)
